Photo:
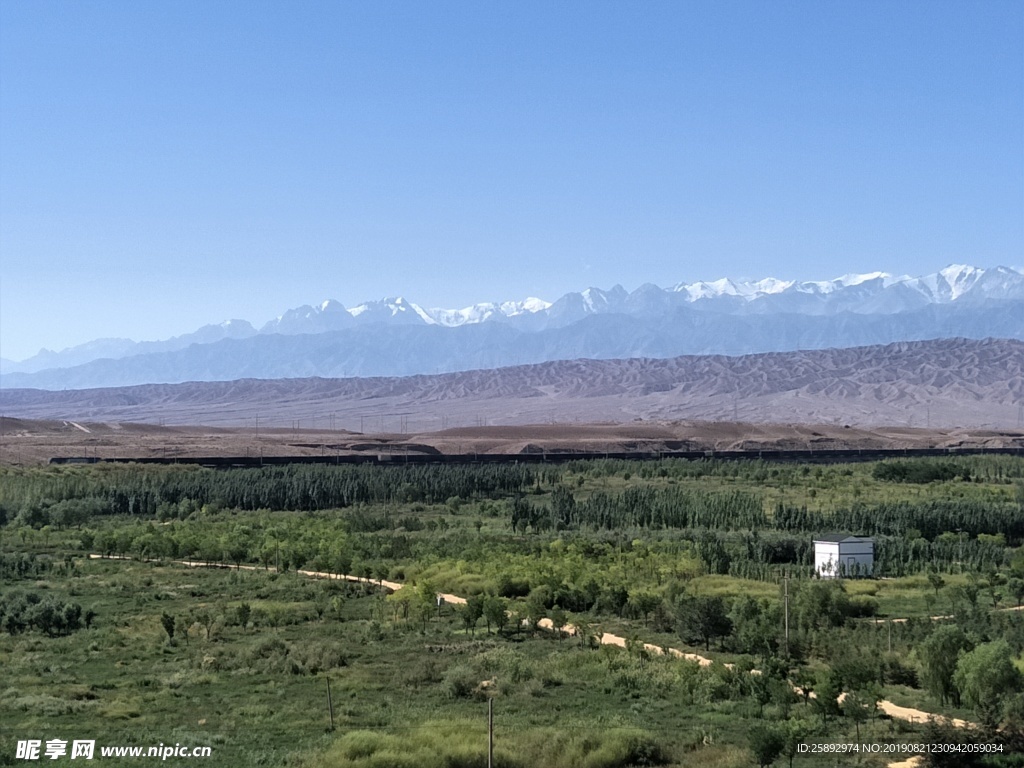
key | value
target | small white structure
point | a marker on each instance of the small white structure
(838, 555)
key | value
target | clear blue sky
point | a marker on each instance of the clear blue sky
(168, 164)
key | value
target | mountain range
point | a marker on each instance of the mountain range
(396, 337)
(944, 383)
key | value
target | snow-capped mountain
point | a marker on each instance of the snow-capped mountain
(394, 336)
(872, 293)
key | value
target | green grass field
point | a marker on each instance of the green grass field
(253, 651)
(402, 695)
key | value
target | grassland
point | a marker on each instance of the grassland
(402, 694)
(247, 669)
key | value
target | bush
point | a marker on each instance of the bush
(509, 587)
(20, 610)
(319, 657)
(895, 672)
(628, 748)
(919, 472)
(505, 663)
(460, 682)
(862, 607)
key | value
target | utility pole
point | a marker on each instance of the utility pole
(330, 704)
(490, 732)
(785, 581)
(889, 622)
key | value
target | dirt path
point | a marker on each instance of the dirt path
(390, 586)
(947, 617)
(605, 638)
(912, 762)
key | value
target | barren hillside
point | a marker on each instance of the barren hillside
(941, 384)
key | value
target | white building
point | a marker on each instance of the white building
(836, 554)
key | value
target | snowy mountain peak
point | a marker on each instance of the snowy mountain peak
(859, 292)
(703, 303)
(596, 300)
(960, 278)
(854, 279)
(772, 285)
(533, 304)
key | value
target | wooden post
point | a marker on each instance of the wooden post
(786, 582)
(889, 622)
(490, 733)
(330, 704)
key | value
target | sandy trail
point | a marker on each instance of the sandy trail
(912, 762)
(605, 638)
(390, 586)
(946, 617)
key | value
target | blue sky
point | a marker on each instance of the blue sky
(165, 165)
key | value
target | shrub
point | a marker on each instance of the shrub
(460, 681)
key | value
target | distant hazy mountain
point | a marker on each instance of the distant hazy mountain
(119, 348)
(942, 383)
(394, 337)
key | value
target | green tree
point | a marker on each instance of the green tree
(182, 626)
(985, 677)
(702, 618)
(805, 683)
(644, 602)
(760, 691)
(517, 615)
(766, 742)
(471, 612)
(1016, 588)
(826, 698)
(235, 546)
(401, 600)
(168, 624)
(858, 706)
(558, 620)
(755, 626)
(242, 614)
(796, 732)
(821, 604)
(536, 607)
(938, 657)
(425, 602)
(586, 634)
(207, 618)
(495, 612)
(338, 607)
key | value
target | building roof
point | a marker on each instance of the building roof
(834, 538)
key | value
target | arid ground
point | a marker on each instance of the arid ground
(25, 441)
